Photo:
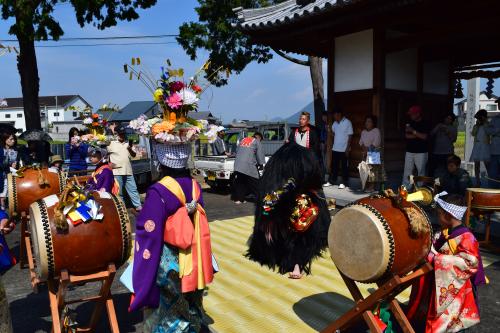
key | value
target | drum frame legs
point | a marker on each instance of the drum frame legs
(57, 294)
(470, 211)
(387, 291)
(26, 252)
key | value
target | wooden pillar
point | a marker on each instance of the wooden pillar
(379, 77)
(330, 102)
(420, 76)
(451, 86)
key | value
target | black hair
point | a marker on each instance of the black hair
(4, 136)
(299, 163)
(452, 115)
(96, 153)
(71, 131)
(338, 109)
(373, 118)
(256, 134)
(454, 199)
(454, 159)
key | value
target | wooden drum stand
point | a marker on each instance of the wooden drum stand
(26, 257)
(57, 294)
(26, 252)
(386, 292)
(487, 209)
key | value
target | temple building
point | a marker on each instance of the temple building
(383, 56)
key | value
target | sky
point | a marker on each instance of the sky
(262, 91)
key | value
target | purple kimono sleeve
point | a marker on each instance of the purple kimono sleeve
(105, 180)
(147, 251)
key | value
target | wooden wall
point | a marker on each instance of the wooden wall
(397, 104)
(356, 105)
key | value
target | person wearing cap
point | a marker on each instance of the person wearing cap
(416, 135)
(448, 297)
(56, 162)
(481, 150)
(172, 258)
(493, 131)
(102, 178)
(219, 146)
(120, 152)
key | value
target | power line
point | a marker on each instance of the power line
(107, 44)
(100, 38)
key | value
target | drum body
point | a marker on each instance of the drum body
(371, 239)
(484, 199)
(23, 191)
(84, 249)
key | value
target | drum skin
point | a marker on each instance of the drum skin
(370, 240)
(485, 199)
(84, 249)
(23, 191)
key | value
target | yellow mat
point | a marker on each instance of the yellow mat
(246, 297)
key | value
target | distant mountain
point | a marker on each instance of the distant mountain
(294, 118)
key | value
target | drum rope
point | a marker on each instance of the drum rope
(48, 236)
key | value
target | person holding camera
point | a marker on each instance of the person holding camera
(120, 152)
(76, 151)
(444, 135)
(416, 134)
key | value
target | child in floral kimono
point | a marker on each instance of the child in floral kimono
(458, 270)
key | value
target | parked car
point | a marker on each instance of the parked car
(218, 171)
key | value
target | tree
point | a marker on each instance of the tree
(34, 21)
(229, 47)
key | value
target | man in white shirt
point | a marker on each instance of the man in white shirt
(120, 152)
(342, 137)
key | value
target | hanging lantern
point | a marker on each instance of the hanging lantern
(458, 89)
(489, 87)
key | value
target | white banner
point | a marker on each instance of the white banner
(473, 93)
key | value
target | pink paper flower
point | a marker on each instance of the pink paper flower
(174, 101)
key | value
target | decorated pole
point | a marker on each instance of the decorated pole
(473, 94)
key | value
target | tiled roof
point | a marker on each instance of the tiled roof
(285, 12)
(49, 101)
(131, 111)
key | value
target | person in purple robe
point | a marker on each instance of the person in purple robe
(102, 178)
(166, 292)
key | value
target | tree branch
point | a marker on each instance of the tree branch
(292, 59)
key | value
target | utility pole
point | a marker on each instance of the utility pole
(473, 94)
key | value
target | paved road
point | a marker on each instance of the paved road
(30, 312)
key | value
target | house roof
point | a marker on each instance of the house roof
(462, 101)
(49, 101)
(131, 111)
(286, 12)
(206, 115)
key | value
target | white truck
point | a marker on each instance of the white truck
(218, 170)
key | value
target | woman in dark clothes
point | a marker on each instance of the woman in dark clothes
(76, 151)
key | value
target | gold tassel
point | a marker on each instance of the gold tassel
(418, 223)
(42, 181)
(59, 219)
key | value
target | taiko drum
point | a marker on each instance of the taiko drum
(83, 249)
(371, 239)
